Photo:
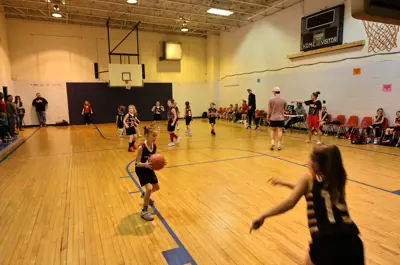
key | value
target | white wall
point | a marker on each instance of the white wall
(5, 67)
(54, 52)
(265, 45)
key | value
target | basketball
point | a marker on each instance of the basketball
(157, 161)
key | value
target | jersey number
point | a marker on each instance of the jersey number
(329, 208)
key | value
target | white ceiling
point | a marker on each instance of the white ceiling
(165, 16)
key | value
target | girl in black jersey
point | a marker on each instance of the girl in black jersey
(157, 109)
(120, 120)
(188, 118)
(130, 125)
(334, 235)
(177, 115)
(314, 116)
(212, 116)
(172, 120)
(147, 176)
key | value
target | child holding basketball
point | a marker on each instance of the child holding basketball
(212, 115)
(120, 120)
(334, 235)
(130, 125)
(172, 119)
(188, 118)
(147, 176)
(157, 109)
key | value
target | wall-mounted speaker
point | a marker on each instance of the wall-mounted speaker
(96, 70)
(143, 72)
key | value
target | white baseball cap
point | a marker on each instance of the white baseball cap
(276, 89)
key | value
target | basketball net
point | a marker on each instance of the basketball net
(381, 36)
(127, 86)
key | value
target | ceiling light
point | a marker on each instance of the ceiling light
(57, 15)
(48, 1)
(131, 1)
(220, 12)
(184, 29)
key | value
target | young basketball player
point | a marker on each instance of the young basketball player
(177, 115)
(87, 112)
(120, 120)
(334, 235)
(130, 125)
(157, 109)
(137, 123)
(314, 116)
(147, 176)
(188, 118)
(172, 119)
(276, 118)
(212, 115)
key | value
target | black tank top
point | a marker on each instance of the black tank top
(130, 120)
(157, 110)
(120, 122)
(325, 217)
(171, 116)
(188, 112)
(146, 152)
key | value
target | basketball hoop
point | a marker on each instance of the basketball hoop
(381, 36)
(127, 86)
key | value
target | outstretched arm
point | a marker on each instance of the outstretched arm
(285, 205)
(279, 182)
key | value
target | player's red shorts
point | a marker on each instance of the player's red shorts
(313, 122)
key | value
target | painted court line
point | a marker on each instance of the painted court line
(19, 145)
(176, 256)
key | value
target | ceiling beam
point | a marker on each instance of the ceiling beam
(252, 4)
(269, 8)
(119, 19)
(113, 25)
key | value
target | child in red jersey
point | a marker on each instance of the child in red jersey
(87, 112)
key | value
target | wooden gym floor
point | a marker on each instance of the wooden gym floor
(67, 197)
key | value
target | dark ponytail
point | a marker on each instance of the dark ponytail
(329, 166)
(316, 94)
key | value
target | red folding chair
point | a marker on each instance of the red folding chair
(333, 128)
(351, 123)
(365, 123)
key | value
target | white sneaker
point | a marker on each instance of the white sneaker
(171, 144)
(319, 143)
(146, 216)
(178, 140)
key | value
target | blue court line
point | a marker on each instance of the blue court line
(133, 192)
(102, 135)
(19, 145)
(176, 256)
(396, 192)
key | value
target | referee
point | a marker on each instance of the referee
(252, 108)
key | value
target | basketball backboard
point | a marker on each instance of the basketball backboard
(125, 75)
(383, 11)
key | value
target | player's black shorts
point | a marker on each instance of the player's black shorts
(188, 120)
(130, 131)
(157, 117)
(337, 250)
(170, 127)
(146, 176)
(277, 124)
(212, 120)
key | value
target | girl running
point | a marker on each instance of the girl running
(334, 235)
(120, 120)
(157, 109)
(130, 125)
(87, 112)
(172, 119)
(188, 118)
(137, 122)
(212, 115)
(314, 116)
(147, 177)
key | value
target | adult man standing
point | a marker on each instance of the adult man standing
(11, 114)
(40, 105)
(252, 108)
(276, 111)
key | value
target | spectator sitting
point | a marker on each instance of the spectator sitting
(11, 115)
(299, 110)
(236, 113)
(376, 126)
(243, 112)
(390, 132)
